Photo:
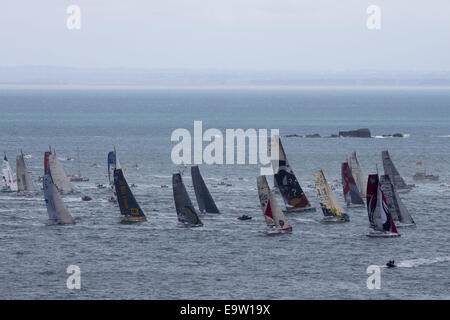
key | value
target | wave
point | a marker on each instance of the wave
(421, 261)
(445, 136)
(404, 135)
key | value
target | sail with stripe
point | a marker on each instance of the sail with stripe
(285, 179)
(113, 164)
(56, 209)
(351, 192)
(380, 217)
(59, 177)
(274, 216)
(392, 172)
(205, 201)
(328, 202)
(8, 181)
(358, 174)
(129, 208)
(24, 181)
(398, 210)
(186, 214)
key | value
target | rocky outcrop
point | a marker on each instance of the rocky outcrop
(360, 133)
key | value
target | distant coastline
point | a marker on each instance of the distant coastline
(65, 77)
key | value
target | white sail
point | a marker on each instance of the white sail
(58, 175)
(56, 209)
(358, 174)
(24, 181)
(328, 201)
(8, 181)
(272, 212)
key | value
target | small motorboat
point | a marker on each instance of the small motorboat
(86, 198)
(391, 264)
(244, 217)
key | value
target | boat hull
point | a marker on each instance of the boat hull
(295, 210)
(335, 220)
(188, 225)
(382, 234)
(404, 225)
(275, 231)
(130, 219)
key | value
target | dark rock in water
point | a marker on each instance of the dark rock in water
(293, 136)
(333, 136)
(360, 133)
(315, 135)
(397, 135)
(86, 198)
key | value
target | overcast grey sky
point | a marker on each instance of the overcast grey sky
(227, 34)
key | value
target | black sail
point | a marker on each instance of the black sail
(204, 200)
(129, 207)
(185, 210)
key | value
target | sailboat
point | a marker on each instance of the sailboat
(113, 164)
(205, 202)
(394, 175)
(8, 182)
(24, 181)
(56, 170)
(129, 208)
(56, 209)
(186, 214)
(398, 210)
(286, 181)
(331, 208)
(381, 222)
(358, 174)
(78, 177)
(351, 192)
(275, 220)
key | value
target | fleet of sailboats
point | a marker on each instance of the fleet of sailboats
(385, 209)
(286, 181)
(331, 208)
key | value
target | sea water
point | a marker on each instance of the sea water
(227, 258)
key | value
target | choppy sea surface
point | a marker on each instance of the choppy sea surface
(227, 258)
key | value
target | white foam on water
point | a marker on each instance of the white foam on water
(421, 261)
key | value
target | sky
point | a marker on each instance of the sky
(297, 35)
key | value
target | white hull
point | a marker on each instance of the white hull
(382, 234)
(275, 231)
(404, 225)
